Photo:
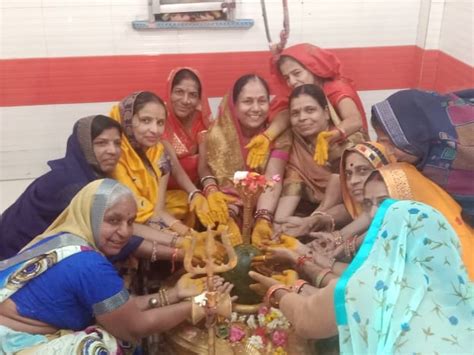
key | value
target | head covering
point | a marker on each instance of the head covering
(376, 155)
(438, 130)
(137, 169)
(405, 182)
(47, 196)
(184, 142)
(323, 64)
(76, 229)
(407, 290)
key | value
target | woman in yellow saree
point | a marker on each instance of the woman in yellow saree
(242, 114)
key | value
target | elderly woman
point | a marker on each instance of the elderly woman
(63, 281)
(307, 64)
(419, 302)
(92, 152)
(433, 132)
(243, 114)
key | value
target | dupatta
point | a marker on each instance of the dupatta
(323, 64)
(438, 129)
(47, 196)
(186, 143)
(407, 290)
(405, 182)
(139, 171)
(376, 155)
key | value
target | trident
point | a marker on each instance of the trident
(210, 299)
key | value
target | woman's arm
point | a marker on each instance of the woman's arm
(286, 207)
(203, 167)
(177, 171)
(312, 316)
(269, 199)
(350, 117)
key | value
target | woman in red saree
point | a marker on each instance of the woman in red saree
(308, 64)
(189, 115)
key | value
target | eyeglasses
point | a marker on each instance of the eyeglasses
(368, 204)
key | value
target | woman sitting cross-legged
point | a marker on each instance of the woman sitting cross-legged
(406, 291)
(63, 281)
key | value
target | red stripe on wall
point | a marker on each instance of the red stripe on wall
(110, 78)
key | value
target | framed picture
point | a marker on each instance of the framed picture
(192, 10)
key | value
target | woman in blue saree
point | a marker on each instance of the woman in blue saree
(406, 291)
(63, 286)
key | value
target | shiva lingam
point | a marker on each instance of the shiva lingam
(249, 186)
(211, 303)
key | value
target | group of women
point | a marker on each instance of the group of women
(379, 232)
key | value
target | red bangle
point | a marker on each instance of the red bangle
(342, 132)
(270, 293)
(267, 137)
(173, 259)
(298, 285)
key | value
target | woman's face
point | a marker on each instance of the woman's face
(307, 116)
(357, 169)
(252, 105)
(185, 98)
(117, 226)
(148, 124)
(375, 193)
(384, 139)
(295, 74)
(107, 150)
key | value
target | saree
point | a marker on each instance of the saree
(225, 144)
(407, 290)
(74, 233)
(376, 155)
(139, 171)
(184, 142)
(47, 196)
(405, 182)
(439, 130)
(325, 65)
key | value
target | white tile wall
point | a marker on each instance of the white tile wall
(52, 28)
(457, 31)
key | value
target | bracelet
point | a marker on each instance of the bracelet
(164, 294)
(210, 188)
(324, 214)
(342, 132)
(153, 303)
(271, 291)
(320, 277)
(154, 251)
(267, 136)
(298, 285)
(173, 259)
(192, 194)
(352, 245)
(264, 214)
(208, 177)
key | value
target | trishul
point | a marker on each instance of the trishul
(212, 302)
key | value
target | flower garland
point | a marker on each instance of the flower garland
(266, 332)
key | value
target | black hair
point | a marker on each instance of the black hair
(244, 80)
(144, 98)
(100, 123)
(315, 91)
(186, 74)
(374, 176)
(375, 122)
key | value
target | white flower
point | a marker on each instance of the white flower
(240, 175)
(251, 322)
(242, 319)
(261, 320)
(233, 317)
(256, 341)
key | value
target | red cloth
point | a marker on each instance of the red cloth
(184, 143)
(325, 65)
